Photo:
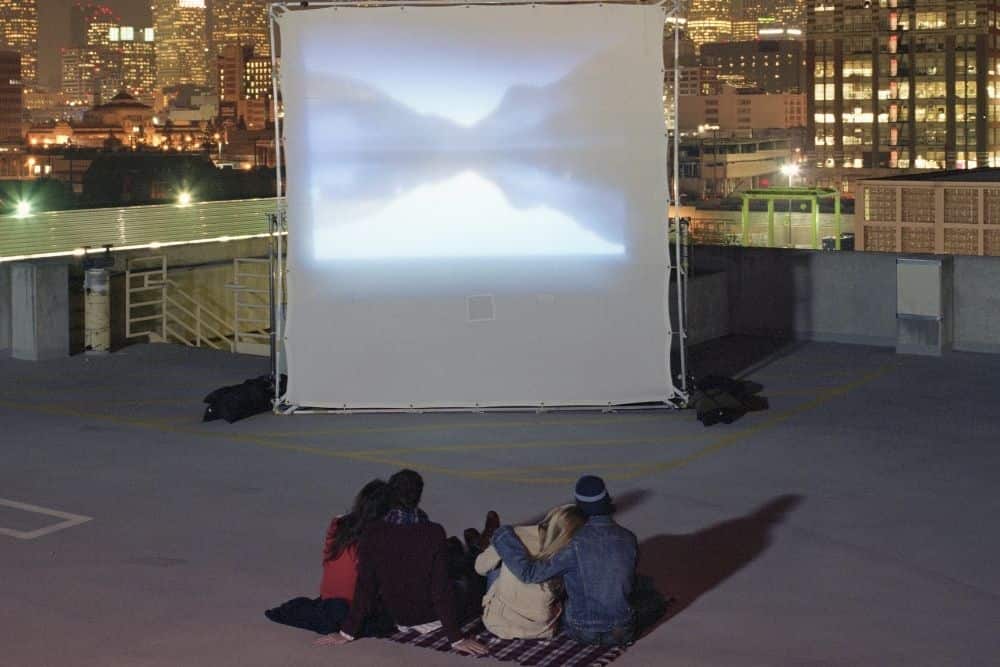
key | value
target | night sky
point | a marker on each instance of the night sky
(53, 29)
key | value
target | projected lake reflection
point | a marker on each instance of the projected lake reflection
(464, 216)
(533, 169)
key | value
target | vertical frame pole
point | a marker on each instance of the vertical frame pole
(276, 226)
(680, 270)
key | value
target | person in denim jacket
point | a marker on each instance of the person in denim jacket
(597, 568)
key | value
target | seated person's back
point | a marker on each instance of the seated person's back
(598, 588)
(597, 568)
(409, 564)
(403, 565)
(513, 609)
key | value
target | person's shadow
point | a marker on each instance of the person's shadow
(622, 502)
(685, 567)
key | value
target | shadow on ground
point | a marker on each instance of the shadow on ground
(732, 356)
(685, 567)
(623, 502)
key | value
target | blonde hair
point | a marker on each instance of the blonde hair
(557, 529)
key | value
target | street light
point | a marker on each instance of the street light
(23, 209)
(184, 199)
(790, 170)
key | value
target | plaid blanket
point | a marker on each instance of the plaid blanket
(560, 651)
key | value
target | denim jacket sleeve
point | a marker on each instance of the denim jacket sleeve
(523, 566)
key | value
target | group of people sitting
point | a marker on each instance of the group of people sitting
(388, 567)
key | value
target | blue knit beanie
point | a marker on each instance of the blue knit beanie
(592, 496)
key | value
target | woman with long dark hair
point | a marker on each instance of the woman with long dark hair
(340, 566)
(340, 555)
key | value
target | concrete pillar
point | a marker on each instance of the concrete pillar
(39, 310)
(5, 315)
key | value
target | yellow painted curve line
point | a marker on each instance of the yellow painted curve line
(384, 457)
(774, 420)
(439, 426)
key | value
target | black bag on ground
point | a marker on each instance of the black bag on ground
(240, 401)
(721, 399)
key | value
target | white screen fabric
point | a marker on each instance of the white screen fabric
(476, 206)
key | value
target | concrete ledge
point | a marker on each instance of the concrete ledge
(976, 346)
(847, 339)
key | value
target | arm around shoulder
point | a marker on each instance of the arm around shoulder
(527, 569)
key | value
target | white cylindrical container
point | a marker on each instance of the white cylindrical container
(97, 312)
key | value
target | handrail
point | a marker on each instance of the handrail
(181, 291)
(197, 318)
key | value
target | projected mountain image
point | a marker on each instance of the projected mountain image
(534, 177)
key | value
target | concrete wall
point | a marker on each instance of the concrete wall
(841, 297)
(5, 314)
(39, 310)
(708, 307)
(977, 304)
(847, 297)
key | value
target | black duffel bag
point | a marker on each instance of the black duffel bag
(240, 401)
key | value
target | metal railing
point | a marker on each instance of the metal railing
(164, 311)
(251, 306)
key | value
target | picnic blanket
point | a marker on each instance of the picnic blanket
(560, 651)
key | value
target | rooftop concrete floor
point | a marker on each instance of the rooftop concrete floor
(854, 523)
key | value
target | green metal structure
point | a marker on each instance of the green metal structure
(812, 195)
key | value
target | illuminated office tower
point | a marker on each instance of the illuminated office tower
(709, 21)
(181, 42)
(76, 72)
(240, 23)
(792, 13)
(244, 83)
(900, 84)
(98, 23)
(19, 32)
(137, 53)
(11, 98)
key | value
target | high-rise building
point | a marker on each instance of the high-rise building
(901, 84)
(19, 32)
(181, 42)
(792, 13)
(240, 23)
(93, 60)
(107, 58)
(244, 83)
(770, 66)
(137, 53)
(709, 21)
(11, 98)
(77, 72)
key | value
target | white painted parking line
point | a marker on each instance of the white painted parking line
(68, 520)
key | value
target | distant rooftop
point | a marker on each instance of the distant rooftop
(979, 175)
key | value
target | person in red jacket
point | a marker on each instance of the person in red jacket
(340, 566)
(403, 563)
(340, 550)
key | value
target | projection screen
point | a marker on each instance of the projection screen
(476, 200)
